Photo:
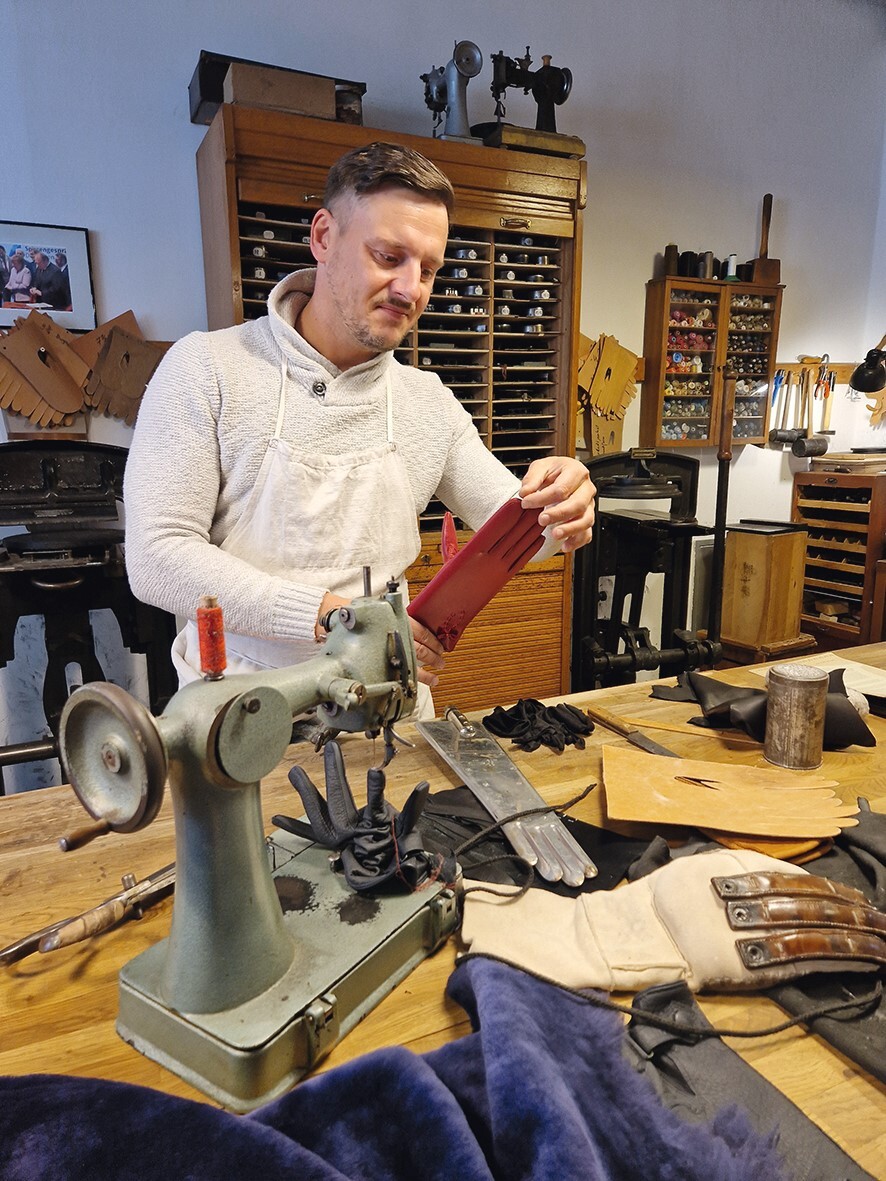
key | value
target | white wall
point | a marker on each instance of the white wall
(691, 110)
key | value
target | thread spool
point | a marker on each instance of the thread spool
(211, 636)
(795, 711)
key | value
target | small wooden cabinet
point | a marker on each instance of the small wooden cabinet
(845, 519)
(694, 329)
(501, 329)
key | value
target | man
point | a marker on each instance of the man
(61, 261)
(272, 461)
(48, 285)
(18, 284)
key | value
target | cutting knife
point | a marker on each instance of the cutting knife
(612, 722)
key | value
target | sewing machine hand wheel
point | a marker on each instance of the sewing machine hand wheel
(468, 59)
(114, 756)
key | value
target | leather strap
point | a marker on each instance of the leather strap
(803, 912)
(788, 946)
(796, 885)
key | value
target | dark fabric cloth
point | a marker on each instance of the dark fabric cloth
(729, 706)
(859, 1034)
(698, 1078)
(539, 1091)
(455, 815)
(858, 856)
(858, 859)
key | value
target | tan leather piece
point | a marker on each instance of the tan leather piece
(798, 851)
(747, 800)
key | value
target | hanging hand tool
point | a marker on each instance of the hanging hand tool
(766, 269)
(806, 446)
(783, 433)
(828, 403)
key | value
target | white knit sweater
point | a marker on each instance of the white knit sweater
(202, 432)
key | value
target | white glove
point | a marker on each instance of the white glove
(670, 925)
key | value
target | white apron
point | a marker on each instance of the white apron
(320, 519)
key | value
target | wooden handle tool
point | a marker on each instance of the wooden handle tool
(597, 713)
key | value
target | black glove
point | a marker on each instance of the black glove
(376, 843)
(529, 725)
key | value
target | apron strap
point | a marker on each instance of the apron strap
(281, 401)
(389, 406)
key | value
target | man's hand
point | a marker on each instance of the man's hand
(329, 603)
(429, 653)
(562, 488)
(428, 649)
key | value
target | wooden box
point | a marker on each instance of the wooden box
(763, 585)
(280, 90)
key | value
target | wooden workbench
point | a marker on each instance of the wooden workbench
(58, 1010)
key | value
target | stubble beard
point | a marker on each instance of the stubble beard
(360, 329)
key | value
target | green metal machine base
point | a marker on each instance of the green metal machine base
(351, 950)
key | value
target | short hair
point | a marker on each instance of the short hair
(381, 165)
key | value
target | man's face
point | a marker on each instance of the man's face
(377, 257)
(41, 260)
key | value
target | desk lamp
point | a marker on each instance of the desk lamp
(870, 376)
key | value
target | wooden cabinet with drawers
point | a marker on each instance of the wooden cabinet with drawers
(845, 519)
(501, 329)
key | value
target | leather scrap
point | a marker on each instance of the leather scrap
(744, 708)
(122, 371)
(89, 345)
(748, 800)
(39, 372)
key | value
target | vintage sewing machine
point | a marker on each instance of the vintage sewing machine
(446, 90)
(550, 85)
(242, 999)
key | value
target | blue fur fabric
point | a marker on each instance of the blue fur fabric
(539, 1091)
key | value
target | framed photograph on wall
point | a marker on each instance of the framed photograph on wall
(46, 268)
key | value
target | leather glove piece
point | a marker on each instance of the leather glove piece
(455, 816)
(674, 924)
(745, 709)
(376, 843)
(529, 724)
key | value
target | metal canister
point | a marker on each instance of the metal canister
(795, 716)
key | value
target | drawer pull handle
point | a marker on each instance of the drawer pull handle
(515, 223)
